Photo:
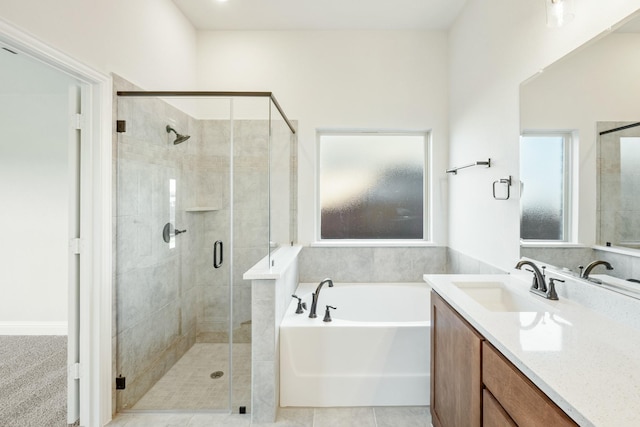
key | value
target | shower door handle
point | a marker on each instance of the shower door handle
(217, 259)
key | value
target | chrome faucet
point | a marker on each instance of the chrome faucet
(539, 285)
(314, 299)
(591, 266)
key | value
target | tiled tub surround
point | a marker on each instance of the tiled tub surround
(271, 294)
(371, 264)
(168, 299)
(581, 350)
(385, 264)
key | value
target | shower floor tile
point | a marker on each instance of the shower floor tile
(188, 384)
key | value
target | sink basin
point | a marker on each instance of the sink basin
(495, 296)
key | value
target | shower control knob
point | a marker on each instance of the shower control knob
(176, 232)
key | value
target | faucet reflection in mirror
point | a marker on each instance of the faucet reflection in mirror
(585, 273)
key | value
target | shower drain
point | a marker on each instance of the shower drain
(217, 374)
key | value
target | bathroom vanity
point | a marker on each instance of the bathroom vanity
(465, 365)
(502, 356)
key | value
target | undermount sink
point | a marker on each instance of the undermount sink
(495, 296)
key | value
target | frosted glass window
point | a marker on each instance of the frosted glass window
(543, 175)
(372, 186)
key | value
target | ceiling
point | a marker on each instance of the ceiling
(321, 14)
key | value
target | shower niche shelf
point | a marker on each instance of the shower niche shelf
(202, 209)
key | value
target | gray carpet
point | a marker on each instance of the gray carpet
(33, 381)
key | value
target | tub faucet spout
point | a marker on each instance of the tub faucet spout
(314, 299)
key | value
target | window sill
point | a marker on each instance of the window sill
(374, 244)
(618, 250)
(549, 244)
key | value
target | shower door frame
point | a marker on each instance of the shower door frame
(218, 94)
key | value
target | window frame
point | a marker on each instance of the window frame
(426, 191)
(569, 139)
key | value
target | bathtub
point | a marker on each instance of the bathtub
(375, 351)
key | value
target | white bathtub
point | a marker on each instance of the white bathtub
(375, 352)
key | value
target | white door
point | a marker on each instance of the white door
(75, 249)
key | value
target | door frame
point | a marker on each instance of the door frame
(96, 217)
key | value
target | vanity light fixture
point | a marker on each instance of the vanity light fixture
(559, 12)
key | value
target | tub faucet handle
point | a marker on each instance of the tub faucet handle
(327, 314)
(302, 306)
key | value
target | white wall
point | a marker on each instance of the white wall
(340, 80)
(597, 83)
(494, 46)
(148, 42)
(34, 186)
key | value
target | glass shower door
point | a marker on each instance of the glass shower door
(172, 305)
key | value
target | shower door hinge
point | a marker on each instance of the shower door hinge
(75, 245)
(74, 371)
(121, 126)
(121, 382)
(78, 121)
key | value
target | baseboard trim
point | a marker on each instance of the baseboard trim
(33, 328)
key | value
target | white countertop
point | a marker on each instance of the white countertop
(586, 360)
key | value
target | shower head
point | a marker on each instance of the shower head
(179, 138)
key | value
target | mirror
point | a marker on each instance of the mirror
(593, 89)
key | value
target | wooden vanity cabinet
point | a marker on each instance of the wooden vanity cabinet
(472, 384)
(456, 383)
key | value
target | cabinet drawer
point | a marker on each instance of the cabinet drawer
(525, 403)
(493, 415)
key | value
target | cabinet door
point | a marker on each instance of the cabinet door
(456, 389)
(494, 415)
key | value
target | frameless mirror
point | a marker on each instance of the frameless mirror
(593, 89)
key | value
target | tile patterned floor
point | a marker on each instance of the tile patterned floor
(188, 387)
(418, 416)
(188, 384)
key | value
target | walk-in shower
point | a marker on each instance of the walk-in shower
(182, 336)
